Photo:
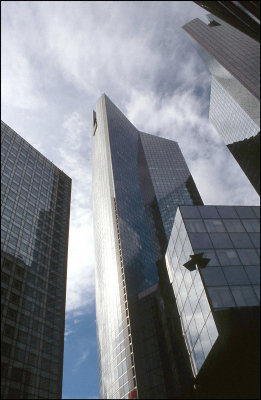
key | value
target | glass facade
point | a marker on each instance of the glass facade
(35, 207)
(233, 59)
(229, 238)
(242, 15)
(138, 182)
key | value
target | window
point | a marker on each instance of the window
(200, 240)
(228, 257)
(234, 225)
(227, 212)
(214, 225)
(208, 212)
(221, 240)
(244, 296)
(195, 225)
(253, 272)
(241, 240)
(221, 297)
(213, 276)
(248, 256)
(236, 275)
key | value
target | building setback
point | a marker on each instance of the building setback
(138, 182)
(233, 60)
(35, 208)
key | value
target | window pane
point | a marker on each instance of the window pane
(233, 225)
(221, 240)
(208, 211)
(195, 225)
(200, 240)
(189, 212)
(255, 238)
(221, 297)
(253, 272)
(244, 296)
(214, 225)
(227, 212)
(241, 240)
(245, 212)
(251, 225)
(213, 276)
(228, 257)
(257, 291)
(248, 257)
(236, 275)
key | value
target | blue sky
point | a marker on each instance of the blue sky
(57, 59)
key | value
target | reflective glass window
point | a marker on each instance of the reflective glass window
(195, 225)
(244, 296)
(221, 297)
(253, 272)
(189, 212)
(257, 291)
(255, 238)
(228, 257)
(233, 225)
(200, 240)
(241, 240)
(227, 212)
(214, 225)
(208, 212)
(248, 256)
(221, 240)
(245, 212)
(213, 276)
(236, 275)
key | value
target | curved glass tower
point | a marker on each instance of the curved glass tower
(138, 182)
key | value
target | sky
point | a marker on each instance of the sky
(57, 60)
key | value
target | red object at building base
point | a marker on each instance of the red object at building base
(133, 394)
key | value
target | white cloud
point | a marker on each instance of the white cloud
(58, 57)
(74, 153)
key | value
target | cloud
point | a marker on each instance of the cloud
(74, 155)
(58, 57)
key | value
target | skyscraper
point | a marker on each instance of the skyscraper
(138, 182)
(242, 15)
(214, 266)
(233, 60)
(35, 208)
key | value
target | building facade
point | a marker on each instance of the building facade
(242, 15)
(213, 264)
(233, 60)
(138, 182)
(35, 208)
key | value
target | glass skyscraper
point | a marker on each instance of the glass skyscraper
(233, 60)
(35, 208)
(242, 15)
(138, 182)
(214, 266)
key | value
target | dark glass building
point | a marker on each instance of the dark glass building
(233, 60)
(35, 207)
(213, 264)
(242, 15)
(138, 182)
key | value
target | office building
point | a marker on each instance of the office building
(242, 15)
(35, 208)
(233, 60)
(138, 182)
(214, 267)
